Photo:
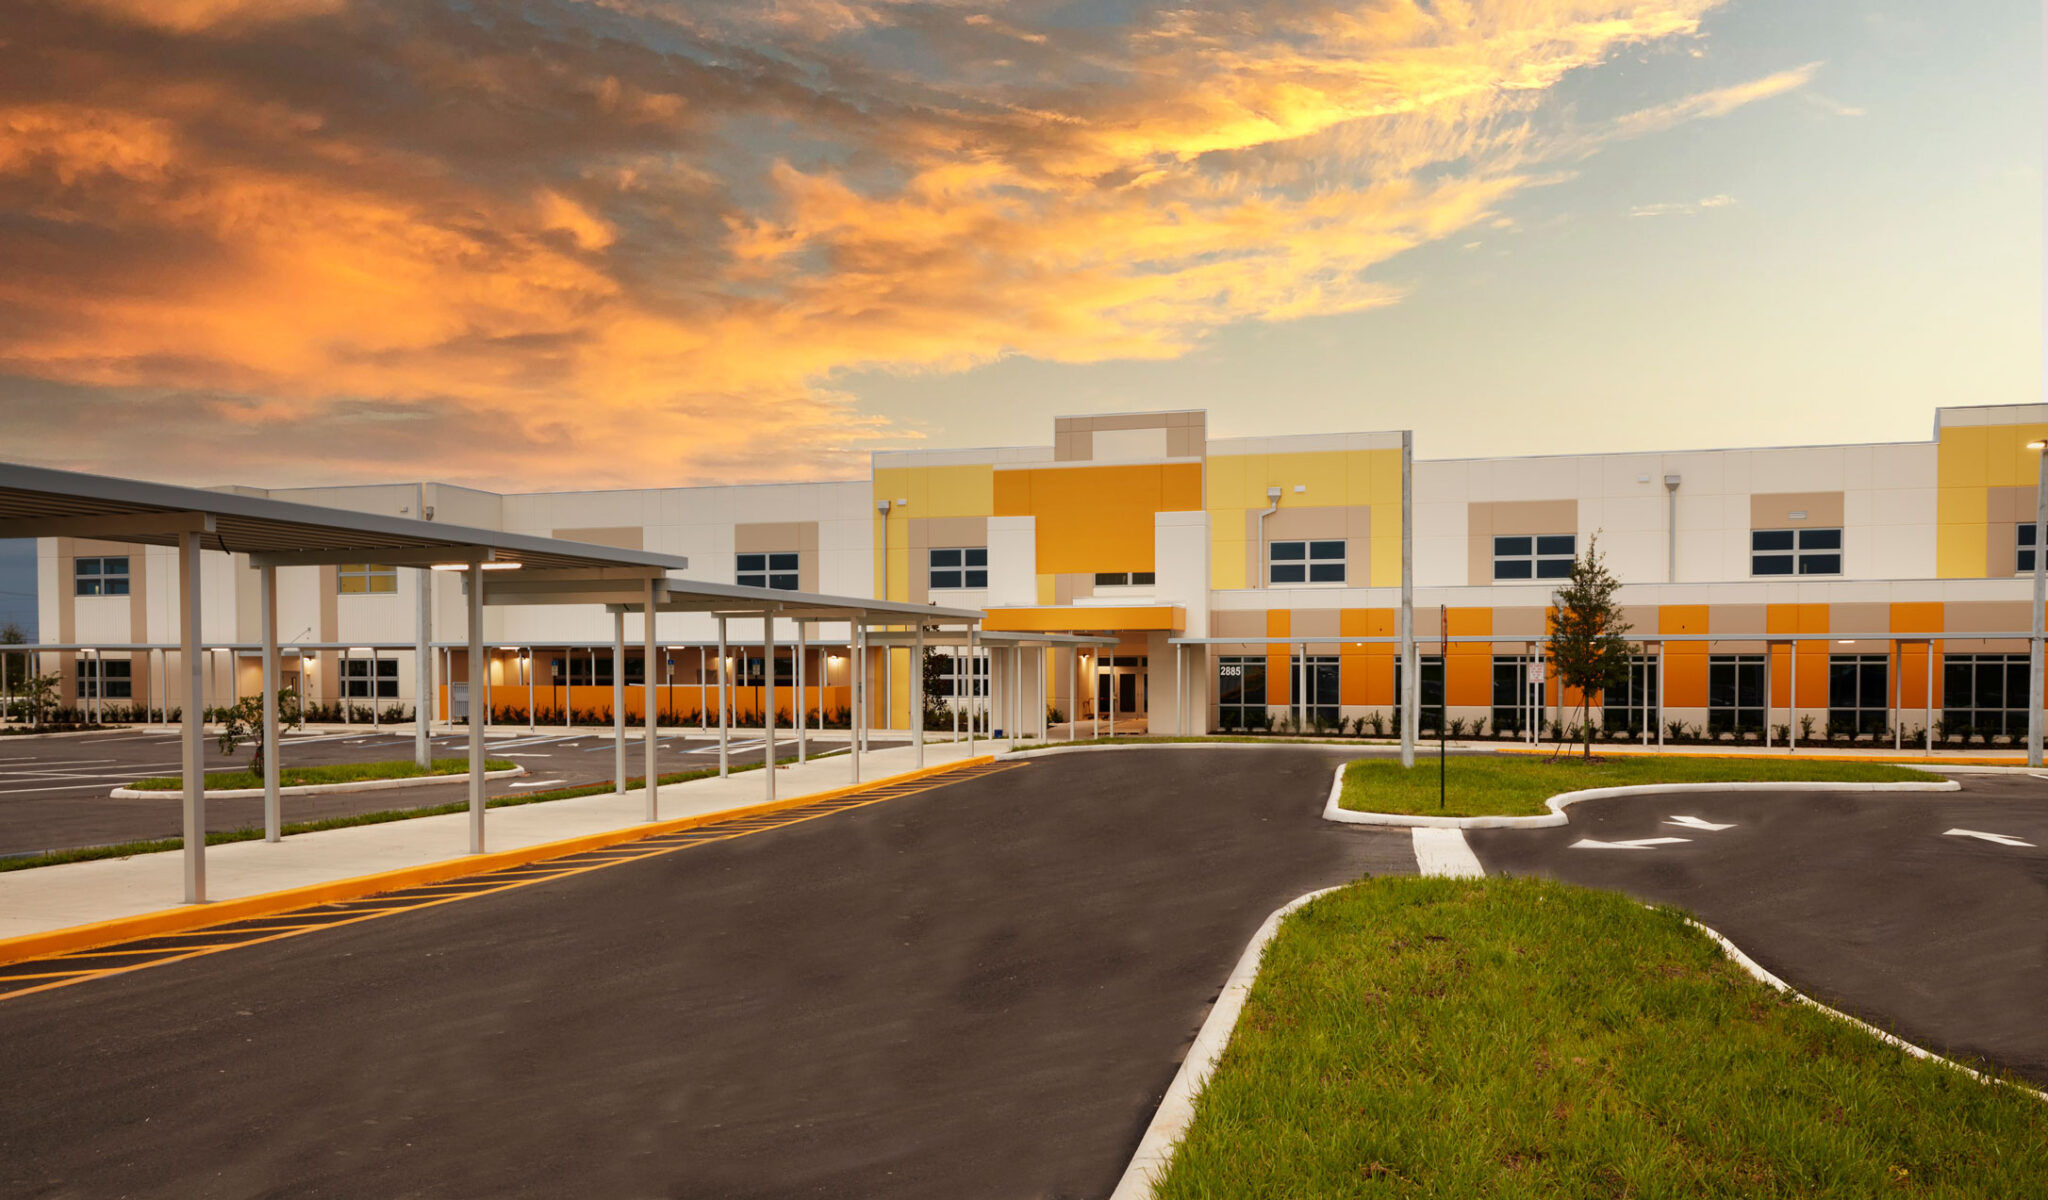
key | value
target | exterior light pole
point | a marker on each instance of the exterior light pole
(2040, 449)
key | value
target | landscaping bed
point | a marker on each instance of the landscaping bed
(330, 773)
(1480, 785)
(1523, 1038)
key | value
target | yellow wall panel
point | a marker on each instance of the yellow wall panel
(2007, 461)
(1227, 555)
(1046, 593)
(967, 491)
(1961, 506)
(1961, 551)
(1960, 456)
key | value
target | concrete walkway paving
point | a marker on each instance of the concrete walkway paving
(43, 899)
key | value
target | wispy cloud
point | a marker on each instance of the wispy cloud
(638, 241)
(1682, 208)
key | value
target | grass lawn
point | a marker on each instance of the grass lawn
(331, 773)
(1210, 738)
(1517, 785)
(1522, 1038)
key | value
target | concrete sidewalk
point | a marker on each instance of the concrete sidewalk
(43, 899)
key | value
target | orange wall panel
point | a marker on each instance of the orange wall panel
(1097, 518)
(1279, 622)
(1685, 663)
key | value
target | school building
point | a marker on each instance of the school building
(1878, 586)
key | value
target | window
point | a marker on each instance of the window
(100, 577)
(358, 579)
(580, 671)
(962, 676)
(1432, 689)
(1984, 694)
(963, 567)
(1306, 562)
(1316, 676)
(1795, 551)
(1123, 579)
(1735, 693)
(752, 671)
(106, 679)
(1241, 691)
(777, 571)
(1633, 705)
(1858, 694)
(1542, 556)
(369, 678)
(2025, 541)
(1516, 701)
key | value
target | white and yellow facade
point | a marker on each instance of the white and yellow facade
(1186, 548)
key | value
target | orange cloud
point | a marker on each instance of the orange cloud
(637, 244)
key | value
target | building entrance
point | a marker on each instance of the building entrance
(1124, 678)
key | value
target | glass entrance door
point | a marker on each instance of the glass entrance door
(1124, 678)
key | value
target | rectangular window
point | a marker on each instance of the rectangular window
(100, 577)
(1306, 562)
(1735, 693)
(1241, 691)
(1432, 689)
(962, 676)
(106, 679)
(362, 579)
(1795, 552)
(2025, 542)
(1540, 556)
(1316, 676)
(1859, 699)
(776, 570)
(1984, 695)
(1516, 702)
(753, 671)
(959, 567)
(1633, 705)
(580, 671)
(369, 678)
(1124, 578)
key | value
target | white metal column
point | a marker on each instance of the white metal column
(2034, 648)
(1663, 670)
(479, 704)
(917, 697)
(972, 687)
(193, 730)
(618, 702)
(1411, 667)
(722, 684)
(1792, 712)
(800, 701)
(652, 700)
(1073, 689)
(422, 670)
(273, 806)
(856, 678)
(768, 703)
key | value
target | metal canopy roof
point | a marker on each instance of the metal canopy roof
(733, 600)
(40, 502)
(995, 638)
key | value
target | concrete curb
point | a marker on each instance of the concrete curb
(1332, 811)
(1177, 1108)
(312, 789)
(1757, 972)
(196, 916)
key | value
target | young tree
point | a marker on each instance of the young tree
(13, 667)
(1587, 650)
(38, 695)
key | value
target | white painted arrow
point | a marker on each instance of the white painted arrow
(1696, 823)
(1637, 844)
(1999, 838)
(539, 783)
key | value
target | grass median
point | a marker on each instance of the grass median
(1523, 1038)
(327, 773)
(1482, 785)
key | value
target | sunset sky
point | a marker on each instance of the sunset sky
(555, 244)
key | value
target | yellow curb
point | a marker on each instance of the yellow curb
(1901, 758)
(242, 908)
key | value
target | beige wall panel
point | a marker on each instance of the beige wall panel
(1238, 623)
(946, 532)
(1314, 622)
(1851, 619)
(1486, 519)
(1184, 441)
(1986, 616)
(2010, 504)
(1738, 618)
(2001, 549)
(1773, 510)
(620, 537)
(1525, 622)
(1297, 524)
(777, 536)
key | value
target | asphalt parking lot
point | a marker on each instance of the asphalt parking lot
(54, 790)
(980, 990)
(1925, 914)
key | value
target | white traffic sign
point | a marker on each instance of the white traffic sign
(1637, 844)
(1999, 838)
(1696, 823)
